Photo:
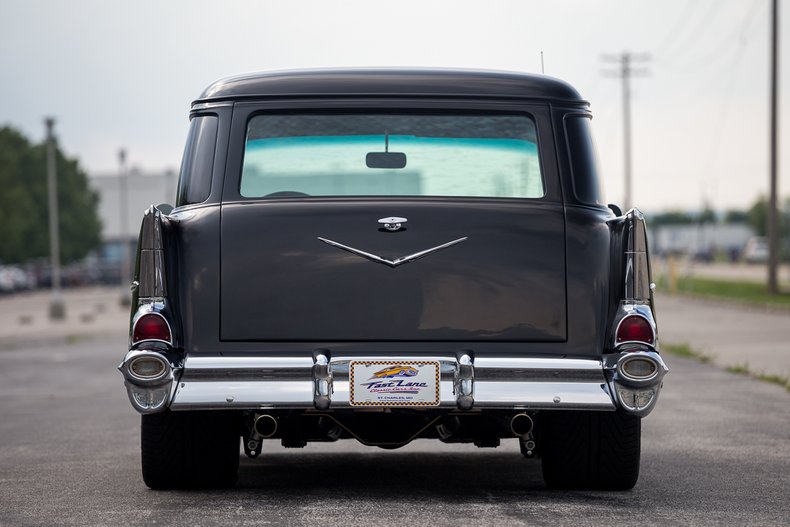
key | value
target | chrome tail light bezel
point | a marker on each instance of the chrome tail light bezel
(628, 309)
(149, 394)
(627, 388)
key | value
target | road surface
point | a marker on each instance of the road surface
(715, 451)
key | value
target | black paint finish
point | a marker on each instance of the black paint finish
(535, 277)
(505, 282)
(390, 82)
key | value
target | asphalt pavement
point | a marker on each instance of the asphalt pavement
(89, 312)
(730, 335)
(716, 451)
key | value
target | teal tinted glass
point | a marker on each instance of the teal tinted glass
(392, 155)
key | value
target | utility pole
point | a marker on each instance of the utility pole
(122, 226)
(625, 72)
(773, 214)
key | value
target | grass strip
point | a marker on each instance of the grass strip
(684, 350)
(739, 369)
(781, 380)
(753, 293)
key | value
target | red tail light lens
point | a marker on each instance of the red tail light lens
(635, 328)
(151, 327)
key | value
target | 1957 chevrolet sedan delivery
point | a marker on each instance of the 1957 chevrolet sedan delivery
(390, 255)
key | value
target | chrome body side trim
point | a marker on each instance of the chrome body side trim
(397, 261)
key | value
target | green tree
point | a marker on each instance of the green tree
(736, 216)
(758, 217)
(707, 216)
(672, 217)
(24, 232)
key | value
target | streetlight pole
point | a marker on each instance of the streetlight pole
(123, 197)
(57, 310)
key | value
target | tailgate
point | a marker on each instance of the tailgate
(505, 282)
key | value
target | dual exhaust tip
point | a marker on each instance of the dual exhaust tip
(521, 425)
(265, 426)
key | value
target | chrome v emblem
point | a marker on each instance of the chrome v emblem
(397, 261)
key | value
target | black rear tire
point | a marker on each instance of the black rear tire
(590, 450)
(182, 450)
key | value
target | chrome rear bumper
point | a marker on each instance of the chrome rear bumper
(262, 383)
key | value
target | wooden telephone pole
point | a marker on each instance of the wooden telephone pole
(625, 72)
(773, 213)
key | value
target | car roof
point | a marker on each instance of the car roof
(389, 83)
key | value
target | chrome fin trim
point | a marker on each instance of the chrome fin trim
(150, 280)
(637, 262)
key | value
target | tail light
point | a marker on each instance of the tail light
(634, 328)
(151, 327)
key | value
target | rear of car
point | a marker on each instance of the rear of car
(388, 256)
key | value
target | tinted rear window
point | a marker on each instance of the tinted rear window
(391, 154)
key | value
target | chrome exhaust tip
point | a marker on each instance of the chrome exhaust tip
(521, 424)
(265, 426)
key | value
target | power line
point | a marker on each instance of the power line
(723, 114)
(738, 37)
(706, 20)
(625, 72)
(680, 25)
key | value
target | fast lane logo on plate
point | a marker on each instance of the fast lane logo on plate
(395, 371)
(386, 381)
(407, 383)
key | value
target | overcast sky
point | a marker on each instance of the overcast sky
(122, 74)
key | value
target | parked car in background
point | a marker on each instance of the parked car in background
(6, 280)
(14, 278)
(756, 250)
(387, 255)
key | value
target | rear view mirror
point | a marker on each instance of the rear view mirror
(385, 160)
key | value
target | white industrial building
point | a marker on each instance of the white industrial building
(700, 239)
(142, 189)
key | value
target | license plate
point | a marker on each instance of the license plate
(394, 383)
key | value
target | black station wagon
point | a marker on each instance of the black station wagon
(390, 255)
